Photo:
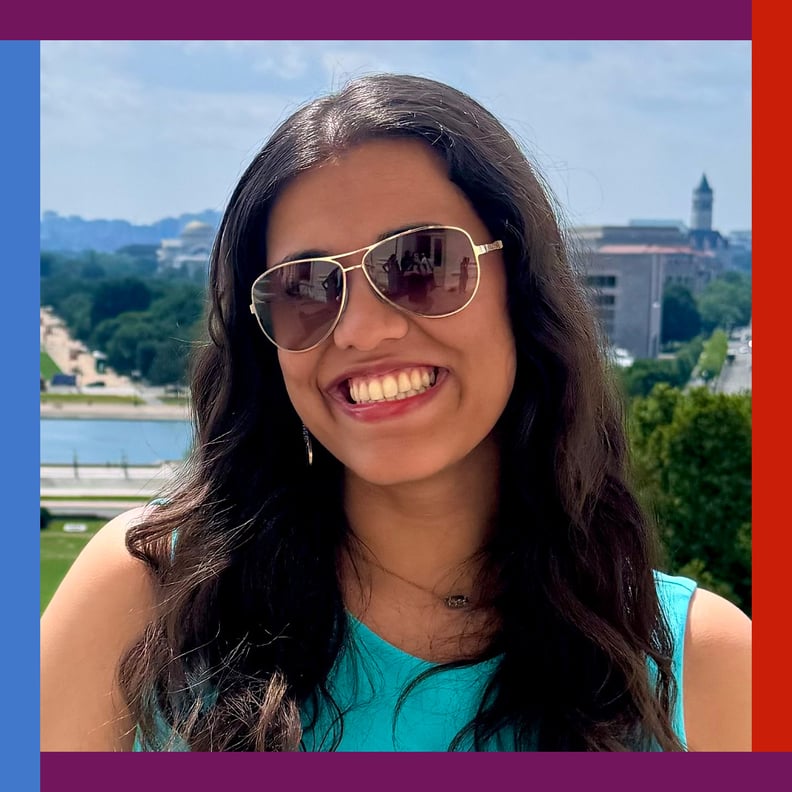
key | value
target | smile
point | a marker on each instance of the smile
(393, 386)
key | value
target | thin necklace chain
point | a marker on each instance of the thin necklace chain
(453, 601)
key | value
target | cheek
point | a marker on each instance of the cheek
(497, 359)
(297, 372)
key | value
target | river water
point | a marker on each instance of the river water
(100, 442)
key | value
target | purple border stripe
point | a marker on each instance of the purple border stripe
(395, 773)
(571, 19)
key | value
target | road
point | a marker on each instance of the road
(736, 377)
(72, 357)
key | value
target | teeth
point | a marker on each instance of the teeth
(391, 387)
(375, 390)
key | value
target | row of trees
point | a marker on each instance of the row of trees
(724, 303)
(143, 322)
(692, 459)
(639, 378)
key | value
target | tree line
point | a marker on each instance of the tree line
(117, 303)
(724, 303)
(691, 454)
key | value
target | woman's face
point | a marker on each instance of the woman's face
(348, 203)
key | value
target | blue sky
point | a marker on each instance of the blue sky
(620, 130)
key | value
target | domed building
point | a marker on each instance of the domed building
(190, 251)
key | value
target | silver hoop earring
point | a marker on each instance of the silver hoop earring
(308, 445)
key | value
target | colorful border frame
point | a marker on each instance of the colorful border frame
(571, 19)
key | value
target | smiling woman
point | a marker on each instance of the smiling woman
(407, 522)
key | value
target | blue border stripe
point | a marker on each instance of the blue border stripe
(19, 210)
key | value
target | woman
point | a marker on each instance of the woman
(400, 529)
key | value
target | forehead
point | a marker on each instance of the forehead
(349, 201)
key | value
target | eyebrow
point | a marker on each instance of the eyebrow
(320, 253)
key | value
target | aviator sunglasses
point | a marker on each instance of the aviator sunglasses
(431, 272)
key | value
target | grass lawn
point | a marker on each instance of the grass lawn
(89, 398)
(58, 551)
(48, 367)
(177, 400)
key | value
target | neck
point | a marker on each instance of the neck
(425, 533)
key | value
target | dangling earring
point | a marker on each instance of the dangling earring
(308, 445)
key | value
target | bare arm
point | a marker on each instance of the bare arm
(101, 607)
(717, 675)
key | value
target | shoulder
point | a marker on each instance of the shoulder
(105, 562)
(717, 675)
(100, 609)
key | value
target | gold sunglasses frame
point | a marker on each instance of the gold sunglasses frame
(478, 250)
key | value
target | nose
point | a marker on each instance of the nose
(367, 321)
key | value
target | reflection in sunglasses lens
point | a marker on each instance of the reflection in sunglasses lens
(298, 303)
(431, 272)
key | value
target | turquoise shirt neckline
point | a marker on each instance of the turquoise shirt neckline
(370, 676)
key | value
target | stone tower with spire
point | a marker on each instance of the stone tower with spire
(701, 216)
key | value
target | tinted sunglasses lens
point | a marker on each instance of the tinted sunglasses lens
(298, 303)
(431, 272)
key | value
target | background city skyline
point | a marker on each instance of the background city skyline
(620, 130)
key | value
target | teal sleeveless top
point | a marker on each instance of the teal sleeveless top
(370, 677)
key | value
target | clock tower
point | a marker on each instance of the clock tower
(701, 216)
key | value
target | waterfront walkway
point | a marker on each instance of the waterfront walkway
(116, 412)
(106, 481)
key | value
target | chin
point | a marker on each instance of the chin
(389, 470)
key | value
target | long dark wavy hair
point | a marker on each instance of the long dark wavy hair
(250, 615)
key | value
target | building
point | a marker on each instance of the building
(740, 250)
(190, 252)
(627, 268)
(626, 285)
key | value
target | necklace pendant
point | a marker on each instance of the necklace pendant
(456, 601)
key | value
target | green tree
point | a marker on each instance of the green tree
(75, 310)
(169, 364)
(692, 454)
(46, 262)
(688, 356)
(131, 330)
(644, 374)
(93, 271)
(726, 302)
(179, 307)
(115, 297)
(681, 318)
(713, 355)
